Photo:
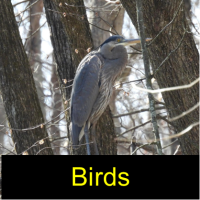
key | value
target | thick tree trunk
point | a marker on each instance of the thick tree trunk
(18, 88)
(33, 48)
(182, 66)
(76, 27)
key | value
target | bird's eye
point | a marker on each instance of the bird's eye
(118, 40)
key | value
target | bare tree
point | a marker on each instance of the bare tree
(173, 56)
(18, 89)
(174, 59)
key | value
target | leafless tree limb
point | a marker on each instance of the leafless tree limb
(26, 8)
(138, 111)
(167, 89)
(148, 73)
(131, 129)
(184, 113)
(20, 2)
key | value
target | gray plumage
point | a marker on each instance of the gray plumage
(93, 82)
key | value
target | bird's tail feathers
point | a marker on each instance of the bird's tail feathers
(75, 135)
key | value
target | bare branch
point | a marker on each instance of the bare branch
(167, 89)
(142, 146)
(20, 2)
(173, 51)
(164, 118)
(184, 113)
(37, 126)
(127, 82)
(138, 111)
(131, 129)
(148, 73)
(170, 144)
(36, 31)
(176, 150)
(26, 8)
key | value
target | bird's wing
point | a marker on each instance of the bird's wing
(85, 89)
(84, 93)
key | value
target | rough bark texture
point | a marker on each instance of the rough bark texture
(62, 53)
(18, 89)
(106, 134)
(182, 66)
(76, 26)
(70, 34)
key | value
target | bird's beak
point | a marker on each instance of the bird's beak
(132, 41)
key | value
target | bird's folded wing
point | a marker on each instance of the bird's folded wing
(85, 89)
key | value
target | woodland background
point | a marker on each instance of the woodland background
(41, 45)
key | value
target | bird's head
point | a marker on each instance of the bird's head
(116, 40)
(113, 47)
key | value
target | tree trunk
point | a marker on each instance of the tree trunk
(33, 48)
(18, 88)
(180, 69)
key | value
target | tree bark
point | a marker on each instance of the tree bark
(180, 68)
(18, 88)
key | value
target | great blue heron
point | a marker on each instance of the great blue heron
(93, 84)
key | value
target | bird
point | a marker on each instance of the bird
(93, 85)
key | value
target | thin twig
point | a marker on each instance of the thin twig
(173, 51)
(184, 113)
(26, 8)
(7, 149)
(170, 144)
(20, 3)
(138, 111)
(128, 82)
(36, 31)
(143, 146)
(166, 25)
(131, 129)
(164, 119)
(37, 126)
(167, 89)
(176, 150)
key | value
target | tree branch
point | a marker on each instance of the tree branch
(138, 111)
(147, 73)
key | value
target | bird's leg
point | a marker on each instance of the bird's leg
(87, 138)
(94, 139)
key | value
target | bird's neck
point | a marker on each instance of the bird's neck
(110, 53)
(115, 62)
